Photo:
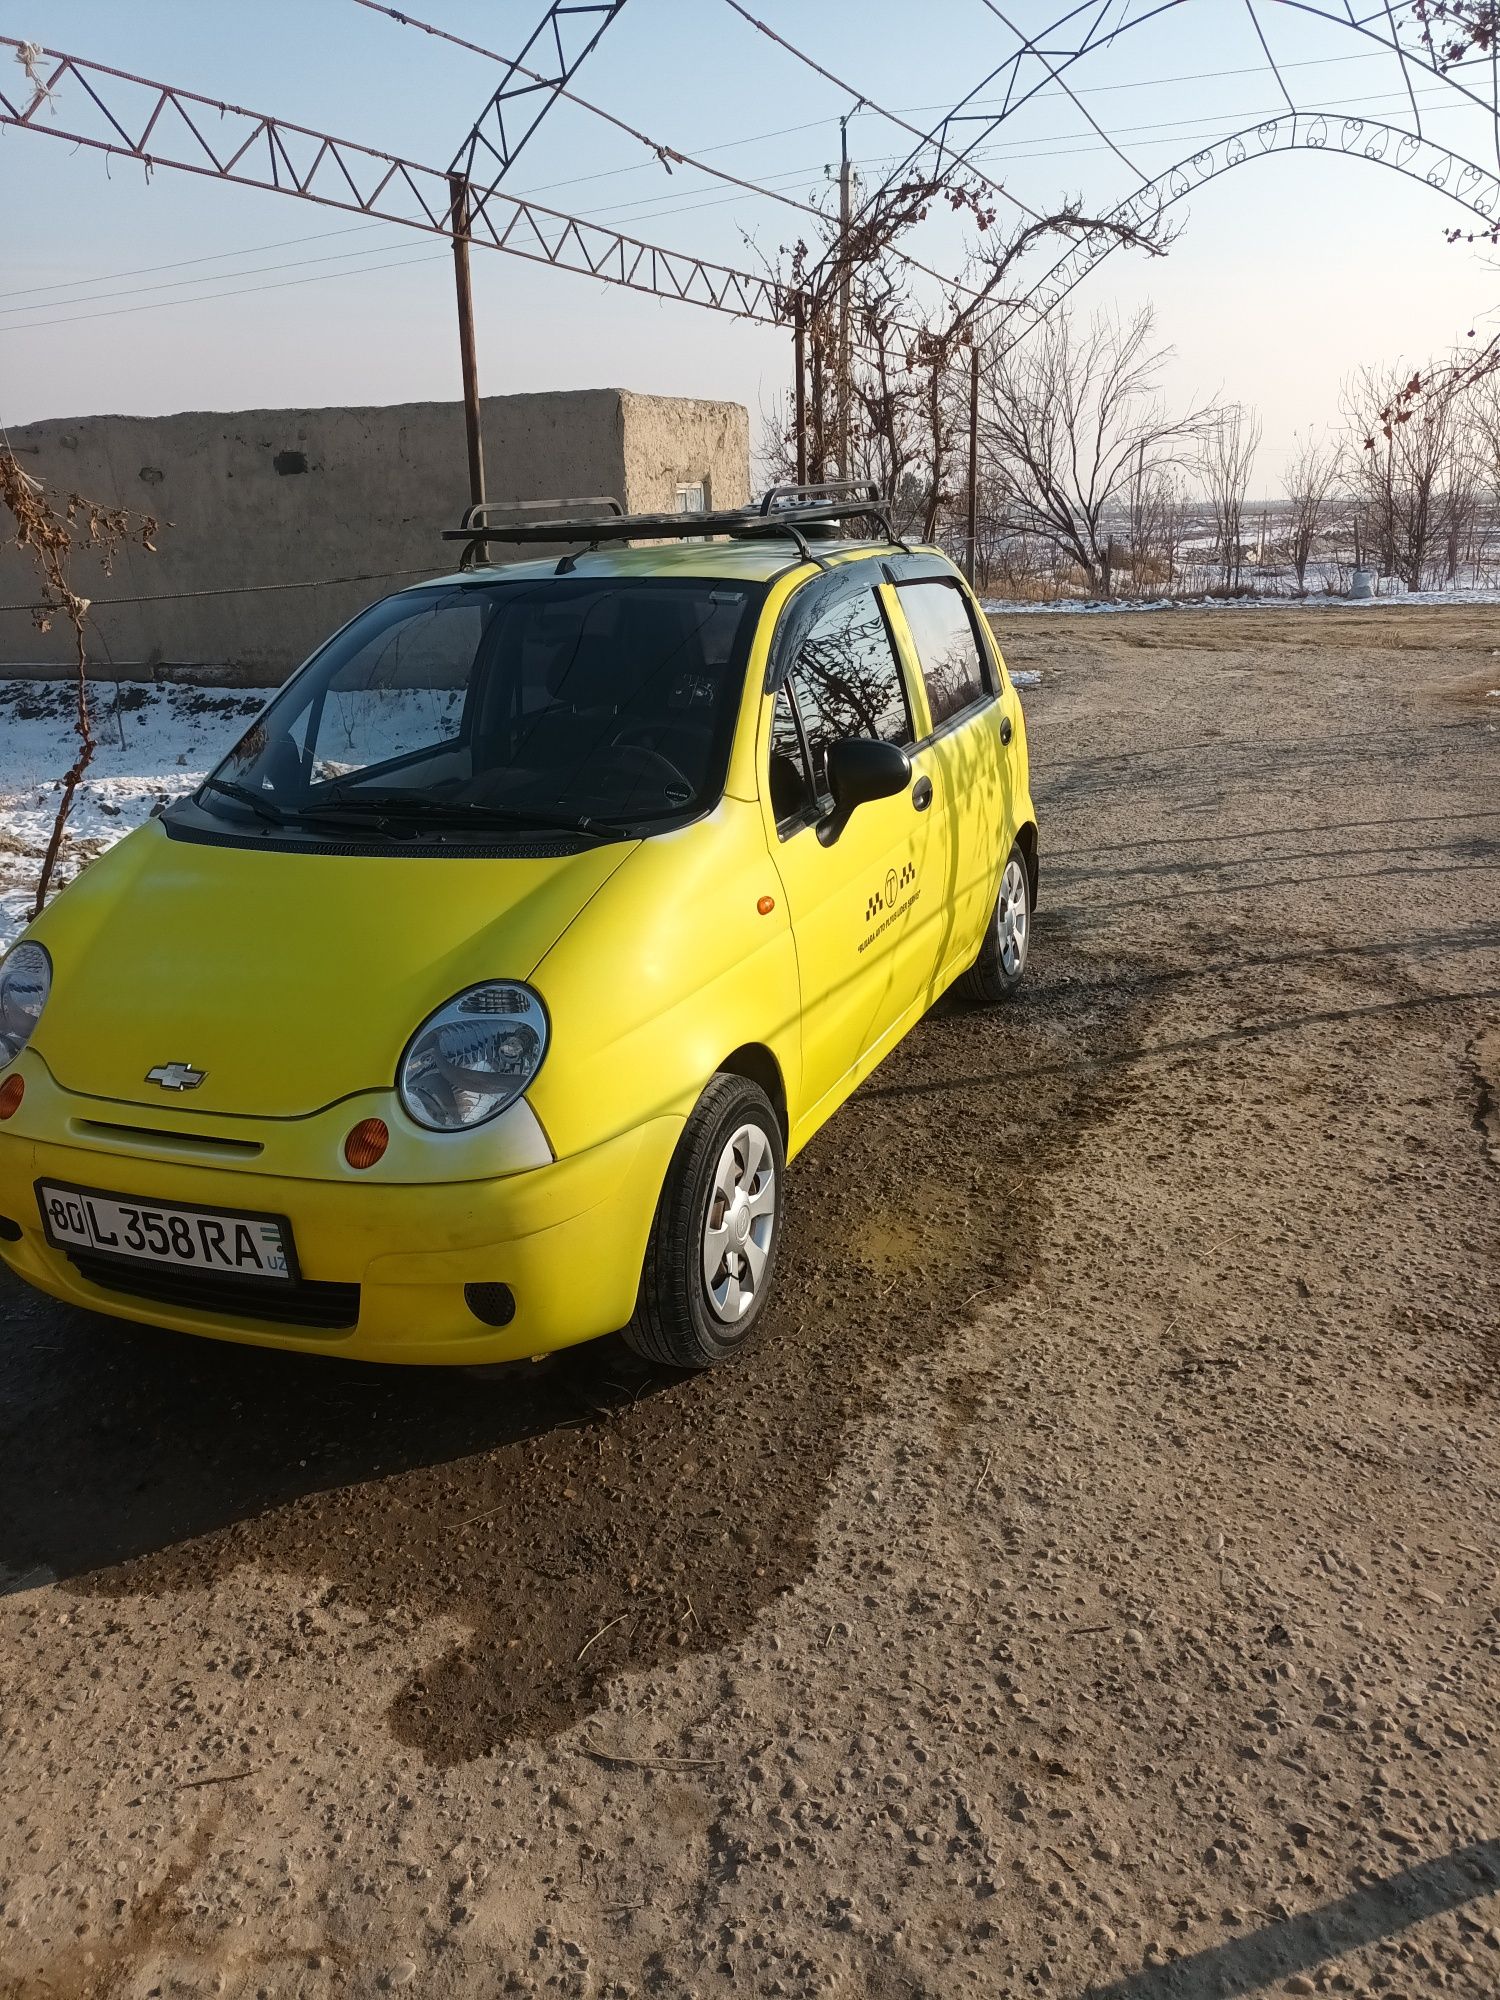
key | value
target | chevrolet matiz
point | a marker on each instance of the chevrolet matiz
(475, 1004)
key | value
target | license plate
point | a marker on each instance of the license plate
(240, 1243)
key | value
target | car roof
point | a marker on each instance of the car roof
(748, 559)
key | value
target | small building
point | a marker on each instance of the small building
(278, 525)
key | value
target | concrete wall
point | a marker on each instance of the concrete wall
(294, 497)
(672, 440)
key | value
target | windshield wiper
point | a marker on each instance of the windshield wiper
(454, 812)
(275, 815)
(260, 806)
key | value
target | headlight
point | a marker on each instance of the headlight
(473, 1057)
(25, 982)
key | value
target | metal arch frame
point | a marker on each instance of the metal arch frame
(1392, 146)
(1054, 62)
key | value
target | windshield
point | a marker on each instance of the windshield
(599, 704)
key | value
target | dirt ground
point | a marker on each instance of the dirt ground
(1089, 1584)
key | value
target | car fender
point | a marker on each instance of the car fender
(684, 956)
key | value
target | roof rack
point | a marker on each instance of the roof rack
(783, 510)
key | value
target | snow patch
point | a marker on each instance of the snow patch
(152, 744)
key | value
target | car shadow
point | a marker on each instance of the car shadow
(585, 1514)
(169, 1437)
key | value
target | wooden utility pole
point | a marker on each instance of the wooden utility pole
(819, 454)
(799, 401)
(971, 555)
(458, 190)
(842, 386)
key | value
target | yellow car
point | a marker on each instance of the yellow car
(476, 1002)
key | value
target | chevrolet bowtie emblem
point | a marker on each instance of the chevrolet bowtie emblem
(176, 1076)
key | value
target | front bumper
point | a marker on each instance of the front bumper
(568, 1239)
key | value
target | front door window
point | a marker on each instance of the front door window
(846, 681)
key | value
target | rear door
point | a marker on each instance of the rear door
(968, 747)
(863, 909)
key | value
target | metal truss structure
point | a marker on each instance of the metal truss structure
(566, 34)
(159, 125)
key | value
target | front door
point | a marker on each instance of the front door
(865, 910)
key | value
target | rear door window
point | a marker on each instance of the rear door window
(953, 666)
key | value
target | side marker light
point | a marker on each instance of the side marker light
(367, 1142)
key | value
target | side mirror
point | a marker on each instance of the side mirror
(861, 769)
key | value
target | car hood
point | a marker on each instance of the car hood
(291, 979)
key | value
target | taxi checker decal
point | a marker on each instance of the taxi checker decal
(889, 900)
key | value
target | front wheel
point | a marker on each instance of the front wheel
(711, 1256)
(996, 973)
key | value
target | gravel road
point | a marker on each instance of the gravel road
(1089, 1584)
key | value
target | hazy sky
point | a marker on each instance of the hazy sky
(1290, 272)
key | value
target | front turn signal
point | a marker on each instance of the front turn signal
(367, 1142)
(11, 1092)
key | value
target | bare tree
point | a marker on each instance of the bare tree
(1157, 508)
(52, 537)
(906, 418)
(1453, 30)
(1070, 422)
(1414, 476)
(1225, 462)
(1311, 476)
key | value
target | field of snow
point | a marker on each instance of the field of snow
(1014, 608)
(152, 743)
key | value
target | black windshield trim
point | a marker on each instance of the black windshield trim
(430, 845)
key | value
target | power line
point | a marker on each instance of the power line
(654, 202)
(176, 284)
(239, 291)
(913, 110)
(1023, 152)
(770, 192)
(218, 257)
(667, 155)
(1175, 130)
(863, 102)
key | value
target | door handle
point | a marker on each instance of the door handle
(921, 794)
(1005, 730)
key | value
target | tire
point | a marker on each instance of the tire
(997, 971)
(711, 1256)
